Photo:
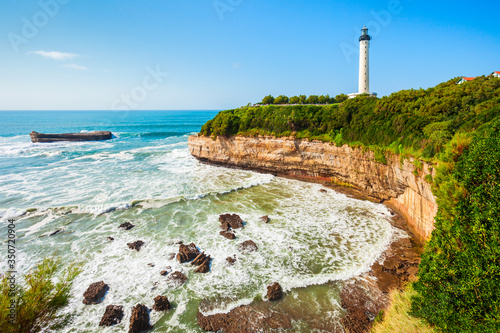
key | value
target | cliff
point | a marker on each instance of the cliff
(393, 183)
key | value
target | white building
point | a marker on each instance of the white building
(364, 65)
(465, 79)
(495, 74)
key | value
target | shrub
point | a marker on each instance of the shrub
(38, 299)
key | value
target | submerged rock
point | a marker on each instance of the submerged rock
(187, 253)
(110, 239)
(264, 219)
(178, 277)
(247, 246)
(55, 232)
(274, 292)
(95, 293)
(112, 316)
(135, 245)
(139, 320)
(228, 234)
(163, 273)
(233, 220)
(231, 260)
(126, 226)
(161, 303)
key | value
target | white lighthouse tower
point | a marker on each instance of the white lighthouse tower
(364, 64)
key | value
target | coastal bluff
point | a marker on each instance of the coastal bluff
(399, 185)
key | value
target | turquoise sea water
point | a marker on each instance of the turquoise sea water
(145, 175)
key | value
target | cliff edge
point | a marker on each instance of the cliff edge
(397, 184)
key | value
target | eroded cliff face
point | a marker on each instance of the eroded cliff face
(395, 183)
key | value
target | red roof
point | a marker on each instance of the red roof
(468, 78)
(497, 72)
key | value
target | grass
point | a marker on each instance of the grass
(396, 318)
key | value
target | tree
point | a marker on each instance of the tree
(281, 99)
(295, 100)
(303, 99)
(268, 100)
(312, 99)
(340, 98)
(38, 300)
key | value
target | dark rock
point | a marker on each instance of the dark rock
(204, 266)
(231, 260)
(55, 232)
(247, 246)
(265, 219)
(187, 253)
(139, 320)
(323, 190)
(199, 259)
(171, 256)
(161, 303)
(178, 277)
(245, 319)
(135, 245)
(126, 226)
(112, 316)
(228, 234)
(163, 273)
(151, 265)
(274, 292)
(89, 136)
(95, 293)
(234, 221)
(225, 226)
(110, 239)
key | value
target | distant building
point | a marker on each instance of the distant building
(495, 74)
(465, 79)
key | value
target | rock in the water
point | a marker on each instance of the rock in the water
(171, 256)
(178, 277)
(112, 316)
(274, 292)
(187, 253)
(247, 246)
(264, 219)
(135, 245)
(228, 234)
(323, 190)
(151, 265)
(55, 232)
(126, 226)
(139, 320)
(199, 259)
(110, 239)
(231, 260)
(234, 221)
(161, 303)
(95, 293)
(163, 273)
(204, 266)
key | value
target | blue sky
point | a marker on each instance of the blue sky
(206, 54)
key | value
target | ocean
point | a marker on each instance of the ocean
(146, 176)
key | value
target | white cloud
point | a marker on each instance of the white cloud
(74, 66)
(54, 55)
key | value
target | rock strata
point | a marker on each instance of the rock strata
(161, 303)
(400, 184)
(139, 320)
(135, 245)
(187, 253)
(126, 226)
(199, 259)
(247, 246)
(274, 292)
(245, 319)
(95, 293)
(112, 316)
(204, 266)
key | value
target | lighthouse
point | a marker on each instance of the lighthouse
(364, 64)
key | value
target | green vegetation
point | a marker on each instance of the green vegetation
(396, 319)
(457, 128)
(303, 99)
(412, 122)
(459, 279)
(37, 301)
